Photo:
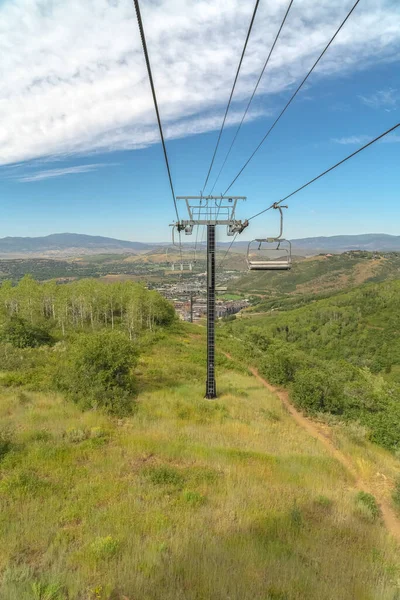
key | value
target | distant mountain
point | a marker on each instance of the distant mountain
(75, 244)
(339, 243)
(68, 244)
(343, 243)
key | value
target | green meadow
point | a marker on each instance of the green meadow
(184, 498)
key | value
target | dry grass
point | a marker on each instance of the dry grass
(186, 500)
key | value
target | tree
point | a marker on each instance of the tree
(97, 373)
(316, 390)
(21, 334)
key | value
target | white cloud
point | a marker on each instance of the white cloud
(364, 139)
(61, 172)
(388, 99)
(73, 78)
(392, 139)
(353, 139)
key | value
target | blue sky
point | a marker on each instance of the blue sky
(79, 151)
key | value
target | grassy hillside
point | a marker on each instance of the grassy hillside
(321, 275)
(184, 499)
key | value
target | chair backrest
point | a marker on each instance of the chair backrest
(270, 262)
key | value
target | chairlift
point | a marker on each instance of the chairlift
(273, 253)
(273, 256)
(199, 256)
(177, 265)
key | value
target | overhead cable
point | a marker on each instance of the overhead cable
(341, 162)
(153, 91)
(231, 94)
(227, 252)
(328, 170)
(253, 94)
(293, 96)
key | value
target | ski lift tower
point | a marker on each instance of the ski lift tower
(211, 211)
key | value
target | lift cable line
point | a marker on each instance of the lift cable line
(341, 162)
(227, 252)
(253, 94)
(328, 170)
(231, 94)
(153, 91)
(293, 96)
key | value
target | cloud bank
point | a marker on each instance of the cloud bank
(50, 173)
(387, 99)
(359, 140)
(73, 78)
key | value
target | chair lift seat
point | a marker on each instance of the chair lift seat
(277, 264)
(269, 265)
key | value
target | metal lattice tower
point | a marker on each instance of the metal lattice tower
(211, 211)
(211, 388)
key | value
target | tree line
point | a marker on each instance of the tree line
(85, 304)
(82, 339)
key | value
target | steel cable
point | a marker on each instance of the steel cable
(153, 91)
(232, 90)
(293, 96)
(253, 94)
(302, 187)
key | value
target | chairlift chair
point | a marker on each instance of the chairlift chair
(170, 262)
(177, 264)
(275, 258)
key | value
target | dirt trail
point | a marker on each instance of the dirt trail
(391, 521)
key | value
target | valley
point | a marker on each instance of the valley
(128, 484)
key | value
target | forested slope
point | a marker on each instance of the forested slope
(340, 355)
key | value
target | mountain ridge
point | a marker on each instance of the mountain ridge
(68, 243)
(73, 244)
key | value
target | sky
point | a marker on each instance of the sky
(79, 144)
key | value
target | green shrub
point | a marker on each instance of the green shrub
(193, 498)
(21, 334)
(280, 364)
(23, 398)
(5, 443)
(40, 436)
(357, 433)
(256, 337)
(47, 591)
(165, 475)
(228, 318)
(367, 506)
(16, 378)
(75, 435)
(25, 483)
(323, 502)
(270, 415)
(296, 518)
(97, 372)
(104, 548)
(317, 391)
(385, 425)
(275, 594)
(32, 379)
